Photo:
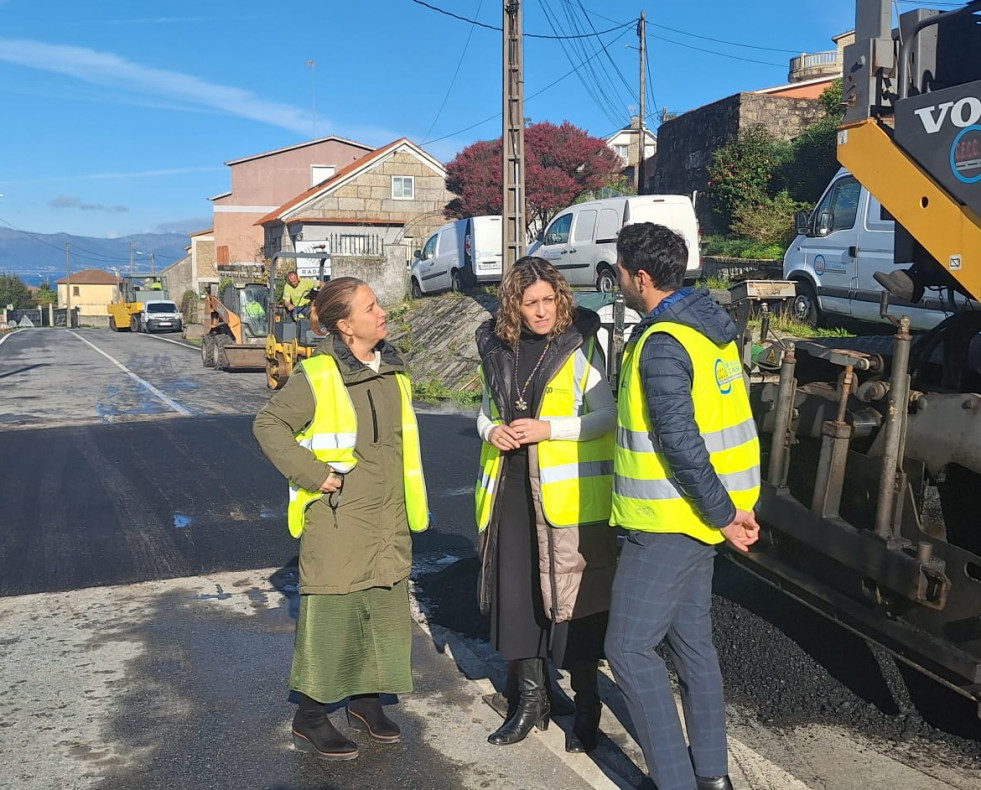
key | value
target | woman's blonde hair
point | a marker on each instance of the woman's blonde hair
(527, 271)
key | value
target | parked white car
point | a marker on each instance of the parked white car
(581, 241)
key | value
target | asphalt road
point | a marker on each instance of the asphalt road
(132, 462)
(123, 460)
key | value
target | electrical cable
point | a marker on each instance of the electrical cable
(589, 77)
(527, 98)
(455, 73)
(526, 35)
(720, 54)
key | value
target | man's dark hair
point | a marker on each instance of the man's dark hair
(658, 250)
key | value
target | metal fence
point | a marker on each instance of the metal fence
(360, 244)
(38, 316)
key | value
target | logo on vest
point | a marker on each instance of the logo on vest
(725, 374)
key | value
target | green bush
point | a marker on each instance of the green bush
(768, 221)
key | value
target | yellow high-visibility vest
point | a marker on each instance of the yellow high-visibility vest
(576, 477)
(333, 431)
(645, 497)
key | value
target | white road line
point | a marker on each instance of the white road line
(146, 384)
(9, 334)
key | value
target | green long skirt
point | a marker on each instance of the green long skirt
(355, 643)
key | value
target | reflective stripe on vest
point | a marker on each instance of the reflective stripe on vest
(332, 434)
(645, 497)
(576, 478)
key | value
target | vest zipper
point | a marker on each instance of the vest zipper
(374, 416)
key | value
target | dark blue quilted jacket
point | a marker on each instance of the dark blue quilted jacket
(667, 373)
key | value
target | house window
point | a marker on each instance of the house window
(403, 187)
(623, 152)
(76, 291)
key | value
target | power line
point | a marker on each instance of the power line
(456, 72)
(720, 54)
(526, 35)
(723, 41)
(531, 96)
(609, 57)
(589, 78)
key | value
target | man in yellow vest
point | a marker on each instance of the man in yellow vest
(686, 478)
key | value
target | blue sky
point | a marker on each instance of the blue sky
(118, 118)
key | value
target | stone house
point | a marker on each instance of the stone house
(393, 195)
(92, 291)
(264, 181)
(625, 143)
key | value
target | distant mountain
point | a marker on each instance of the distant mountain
(35, 257)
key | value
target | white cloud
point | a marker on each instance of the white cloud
(177, 171)
(108, 69)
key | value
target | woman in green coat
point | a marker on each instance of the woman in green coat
(343, 432)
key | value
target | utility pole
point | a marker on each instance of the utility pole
(153, 264)
(514, 136)
(642, 33)
(131, 259)
(68, 287)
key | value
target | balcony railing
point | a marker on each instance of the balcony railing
(821, 62)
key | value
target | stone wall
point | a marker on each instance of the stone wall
(686, 143)
(386, 275)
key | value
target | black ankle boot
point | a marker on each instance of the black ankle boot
(713, 783)
(506, 702)
(313, 733)
(532, 709)
(585, 727)
(364, 713)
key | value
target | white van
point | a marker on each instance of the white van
(460, 254)
(581, 241)
(842, 244)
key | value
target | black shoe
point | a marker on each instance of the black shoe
(532, 709)
(364, 713)
(313, 733)
(713, 783)
(504, 704)
(585, 728)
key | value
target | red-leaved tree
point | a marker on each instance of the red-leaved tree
(561, 163)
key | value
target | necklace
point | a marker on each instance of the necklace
(520, 403)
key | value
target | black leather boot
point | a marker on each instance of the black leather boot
(504, 703)
(585, 684)
(365, 713)
(532, 709)
(313, 733)
(713, 783)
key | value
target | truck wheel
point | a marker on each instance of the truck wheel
(414, 289)
(112, 324)
(455, 284)
(208, 351)
(805, 307)
(606, 281)
(220, 358)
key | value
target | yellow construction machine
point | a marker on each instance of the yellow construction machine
(872, 445)
(237, 323)
(131, 292)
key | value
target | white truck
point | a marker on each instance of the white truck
(581, 241)
(840, 247)
(460, 254)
